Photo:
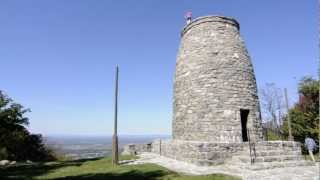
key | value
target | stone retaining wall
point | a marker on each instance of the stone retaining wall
(134, 149)
(212, 153)
(196, 152)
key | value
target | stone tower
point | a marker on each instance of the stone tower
(215, 92)
(216, 103)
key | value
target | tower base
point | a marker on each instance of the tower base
(259, 155)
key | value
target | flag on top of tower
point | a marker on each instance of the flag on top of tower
(188, 16)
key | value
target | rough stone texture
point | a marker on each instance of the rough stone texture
(214, 79)
(269, 155)
(133, 149)
(196, 152)
(284, 173)
(211, 153)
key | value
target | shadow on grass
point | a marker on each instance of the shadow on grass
(130, 175)
(27, 171)
(144, 172)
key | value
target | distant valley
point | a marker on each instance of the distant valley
(84, 147)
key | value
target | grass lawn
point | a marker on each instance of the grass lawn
(98, 169)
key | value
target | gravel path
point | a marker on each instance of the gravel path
(288, 173)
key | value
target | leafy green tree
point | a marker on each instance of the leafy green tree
(16, 143)
(304, 115)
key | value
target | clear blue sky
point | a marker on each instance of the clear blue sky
(58, 57)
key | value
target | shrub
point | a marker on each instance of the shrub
(3, 153)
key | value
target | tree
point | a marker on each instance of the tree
(305, 113)
(16, 143)
(272, 105)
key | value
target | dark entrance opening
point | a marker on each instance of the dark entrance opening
(244, 119)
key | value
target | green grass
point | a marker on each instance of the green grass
(273, 136)
(98, 169)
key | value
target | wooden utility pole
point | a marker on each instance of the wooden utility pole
(319, 68)
(288, 114)
(115, 156)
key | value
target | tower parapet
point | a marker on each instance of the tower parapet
(209, 19)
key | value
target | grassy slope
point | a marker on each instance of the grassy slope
(98, 169)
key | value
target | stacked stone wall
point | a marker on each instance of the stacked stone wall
(134, 149)
(214, 80)
(214, 153)
(196, 152)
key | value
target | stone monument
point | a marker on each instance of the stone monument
(215, 92)
(216, 113)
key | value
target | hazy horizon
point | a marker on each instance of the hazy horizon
(104, 135)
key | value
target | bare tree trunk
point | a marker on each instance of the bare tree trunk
(274, 120)
(288, 115)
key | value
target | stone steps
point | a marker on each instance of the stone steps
(262, 148)
(271, 165)
(268, 155)
(269, 162)
(258, 159)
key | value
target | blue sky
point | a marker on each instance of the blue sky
(58, 57)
